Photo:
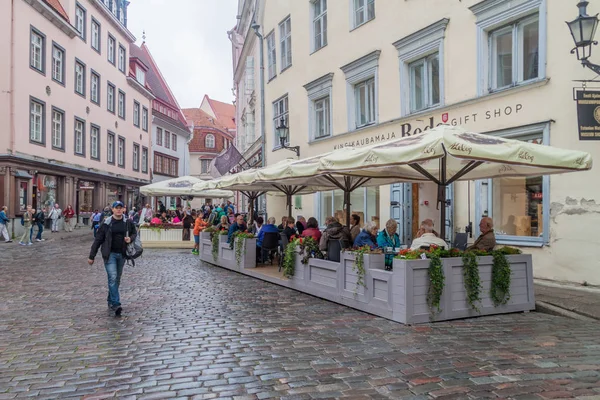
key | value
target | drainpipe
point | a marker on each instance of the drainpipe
(256, 27)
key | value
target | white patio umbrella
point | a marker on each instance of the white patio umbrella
(182, 186)
(447, 154)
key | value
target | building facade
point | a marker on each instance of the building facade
(67, 106)
(350, 73)
(170, 133)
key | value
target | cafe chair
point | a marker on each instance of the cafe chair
(460, 241)
(284, 243)
(270, 243)
(334, 248)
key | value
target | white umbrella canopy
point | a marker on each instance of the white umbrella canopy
(182, 186)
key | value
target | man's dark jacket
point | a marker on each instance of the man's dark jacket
(104, 238)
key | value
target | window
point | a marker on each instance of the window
(145, 119)
(285, 35)
(95, 88)
(511, 44)
(121, 104)
(110, 98)
(38, 51)
(519, 206)
(364, 11)
(280, 110)
(136, 157)
(136, 113)
(166, 165)
(111, 49)
(122, 58)
(167, 139)
(319, 95)
(58, 63)
(110, 148)
(174, 142)
(425, 83)
(204, 166)
(80, 78)
(140, 75)
(79, 137)
(159, 136)
(209, 141)
(364, 100)
(272, 55)
(37, 121)
(95, 142)
(80, 17)
(362, 80)
(365, 203)
(121, 152)
(58, 129)
(144, 160)
(96, 35)
(319, 11)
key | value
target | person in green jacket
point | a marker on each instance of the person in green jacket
(27, 221)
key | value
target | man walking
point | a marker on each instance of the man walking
(55, 215)
(112, 239)
(4, 223)
(27, 221)
(38, 220)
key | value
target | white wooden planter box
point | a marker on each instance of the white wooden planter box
(226, 255)
(204, 235)
(161, 235)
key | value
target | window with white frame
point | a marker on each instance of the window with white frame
(136, 157)
(285, 38)
(319, 14)
(209, 141)
(36, 121)
(95, 142)
(361, 82)
(140, 75)
(145, 119)
(80, 16)
(421, 68)
(38, 45)
(271, 55)
(511, 44)
(519, 206)
(58, 64)
(110, 148)
(95, 35)
(80, 78)
(363, 11)
(79, 137)
(144, 160)
(136, 113)
(159, 136)
(249, 76)
(174, 141)
(110, 98)
(122, 58)
(95, 88)
(319, 94)
(58, 129)
(121, 152)
(280, 111)
(363, 200)
(204, 166)
(167, 139)
(121, 104)
(111, 50)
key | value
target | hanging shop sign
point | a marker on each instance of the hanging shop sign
(588, 114)
(86, 185)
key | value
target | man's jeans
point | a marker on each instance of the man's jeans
(40, 227)
(114, 270)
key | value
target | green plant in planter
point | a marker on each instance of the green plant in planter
(214, 238)
(500, 288)
(238, 238)
(289, 258)
(436, 284)
(309, 248)
(471, 279)
(359, 265)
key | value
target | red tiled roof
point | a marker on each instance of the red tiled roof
(201, 119)
(55, 4)
(225, 112)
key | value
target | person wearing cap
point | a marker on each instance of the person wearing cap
(112, 239)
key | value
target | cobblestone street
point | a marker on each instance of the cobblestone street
(198, 331)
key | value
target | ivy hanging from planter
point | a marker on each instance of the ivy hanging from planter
(214, 238)
(471, 280)
(436, 284)
(359, 265)
(309, 248)
(289, 258)
(500, 288)
(238, 238)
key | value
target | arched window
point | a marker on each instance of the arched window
(209, 142)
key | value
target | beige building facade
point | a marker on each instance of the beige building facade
(355, 72)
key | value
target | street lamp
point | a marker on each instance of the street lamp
(283, 132)
(583, 30)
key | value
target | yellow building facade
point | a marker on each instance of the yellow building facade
(349, 73)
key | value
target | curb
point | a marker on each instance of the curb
(568, 286)
(547, 308)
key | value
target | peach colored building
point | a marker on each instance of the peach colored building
(69, 102)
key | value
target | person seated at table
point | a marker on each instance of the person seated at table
(257, 226)
(238, 225)
(420, 232)
(283, 224)
(428, 238)
(269, 227)
(354, 226)
(312, 229)
(389, 238)
(224, 224)
(156, 219)
(230, 215)
(176, 220)
(487, 240)
(368, 236)
(334, 231)
(300, 224)
(290, 229)
(164, 218)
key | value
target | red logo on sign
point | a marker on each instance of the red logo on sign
(445, 117)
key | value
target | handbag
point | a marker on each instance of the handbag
(134, 249)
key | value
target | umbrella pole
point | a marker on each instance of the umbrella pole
(289, 204)
(442, 203)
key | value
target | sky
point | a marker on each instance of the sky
(188, 40)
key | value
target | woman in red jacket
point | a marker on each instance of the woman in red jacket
(69, 213)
